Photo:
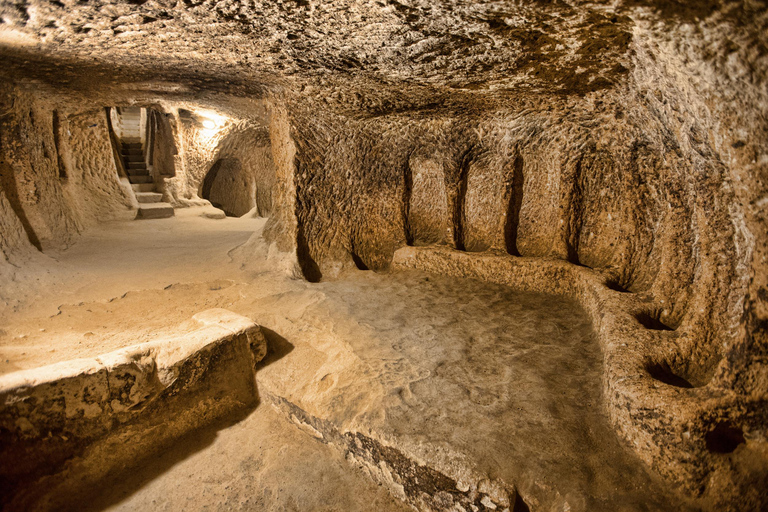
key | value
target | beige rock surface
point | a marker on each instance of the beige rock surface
(64, 427)
(449, 373)
(121, 284)
(264, 462)
(623, 141)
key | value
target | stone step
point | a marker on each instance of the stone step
(140, 179)
(154, 211)
(137, 164)
(149, 197)
(137, 172)
(132, 151)
(143, 187)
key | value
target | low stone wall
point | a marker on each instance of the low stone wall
(693, 433)
(66, 426)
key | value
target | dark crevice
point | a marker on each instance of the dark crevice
(359, 263)
(663, 373)
(652, 321)
(520, 505)
(151, 131)
(573, 224)
(512, 223)
(8, 183)
(406, 206)
(459, 220)
(210, 178)
(116, 155)
(57, 145)
(309, 267)
(616, 286)
(628, 279)
(724, 438)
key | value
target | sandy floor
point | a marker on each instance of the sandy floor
(445, 369)
(123, 283)
(263, 463)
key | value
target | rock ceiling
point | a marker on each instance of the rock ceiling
(355, 49)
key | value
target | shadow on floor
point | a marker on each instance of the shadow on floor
(115, 488)
(277, 348)
(118, 486)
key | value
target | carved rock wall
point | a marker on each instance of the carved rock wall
(629, 138)
(58, 169)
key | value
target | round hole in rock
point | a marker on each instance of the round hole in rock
(616, 286)
(663, 373)
(724, 438)
(651, 321)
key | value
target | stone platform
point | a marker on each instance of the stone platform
(67, 426)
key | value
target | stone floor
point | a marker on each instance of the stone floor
(495, 389)
(474, 379)
(263, 462)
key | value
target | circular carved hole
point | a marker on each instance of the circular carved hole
(663, 373)
(616, 286)
(651, 321)
(724, 438)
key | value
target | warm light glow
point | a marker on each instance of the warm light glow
(11, 37)
(211, 122)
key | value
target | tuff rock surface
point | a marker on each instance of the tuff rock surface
(625, 137)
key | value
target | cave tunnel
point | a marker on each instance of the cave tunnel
(242, 177)
(384, 255)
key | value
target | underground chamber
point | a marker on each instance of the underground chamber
(383, 256)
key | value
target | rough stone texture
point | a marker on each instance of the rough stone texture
(637, 376)
(66, 425)
(423, 367)
(628, 137)
(164, 148)
(454, 391)
(243, 176)
(58, 169)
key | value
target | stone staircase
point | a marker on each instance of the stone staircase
(151, 205)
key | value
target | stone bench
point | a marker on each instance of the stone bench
(70, 424)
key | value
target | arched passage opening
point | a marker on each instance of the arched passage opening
(242, 176)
